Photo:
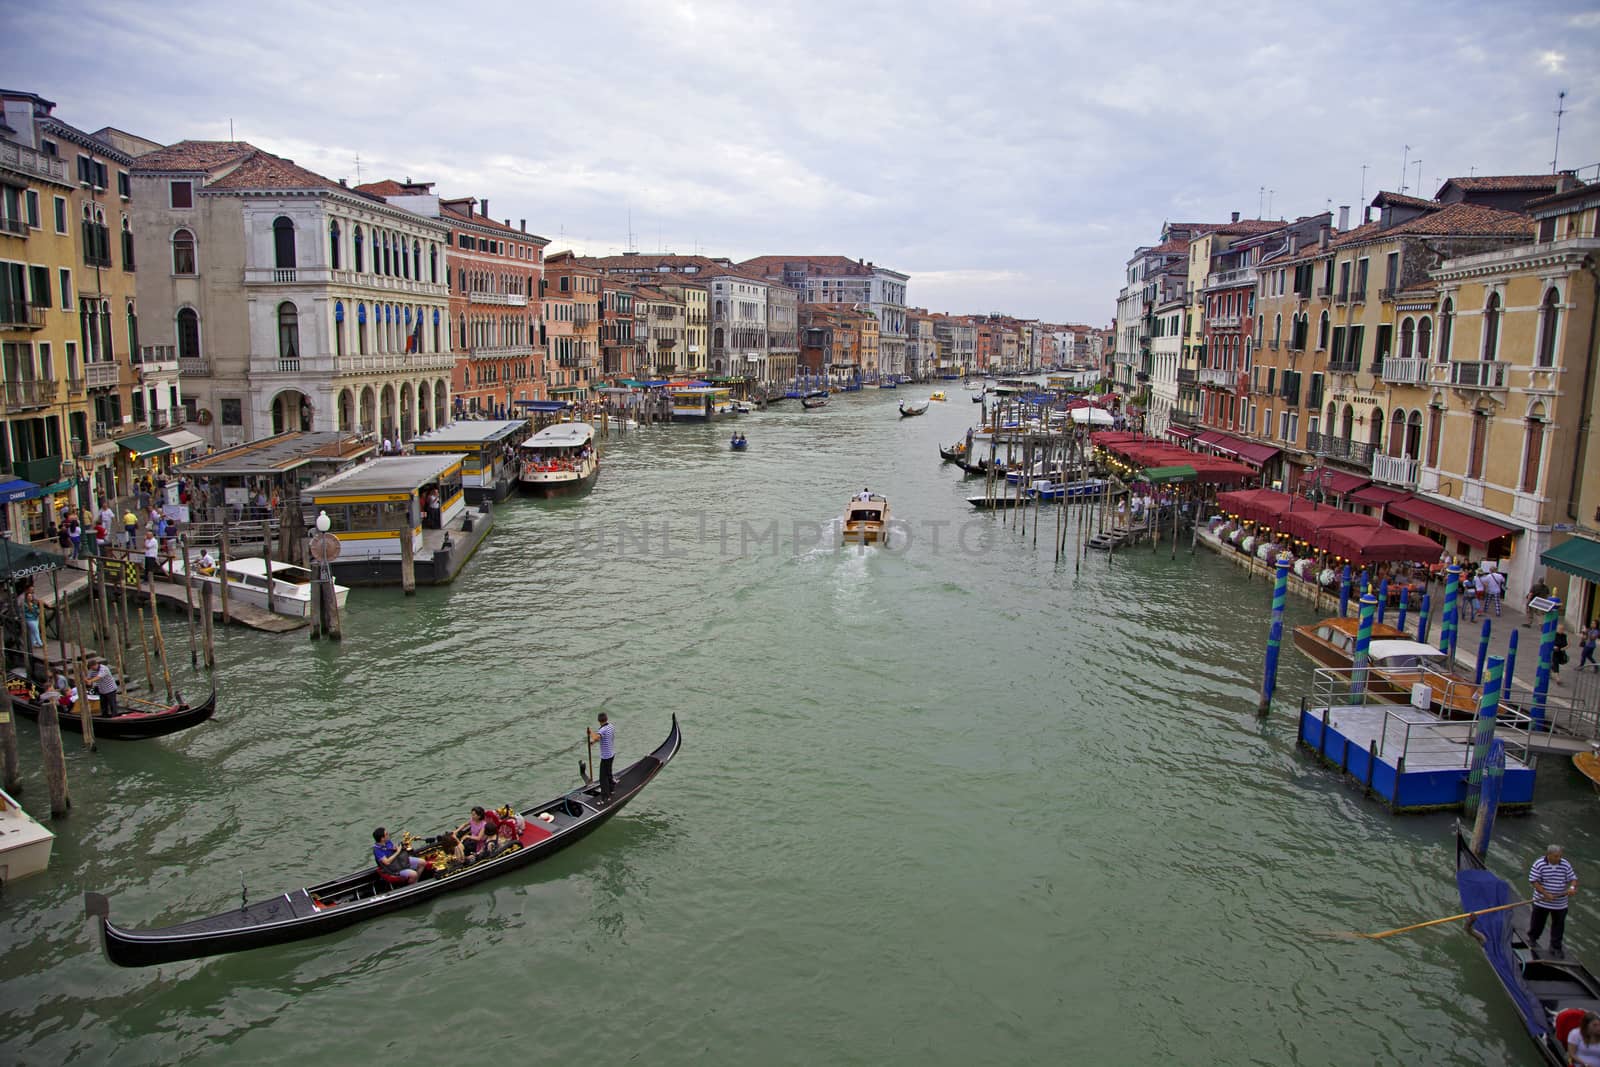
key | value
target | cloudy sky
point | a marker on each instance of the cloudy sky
(1008, 155)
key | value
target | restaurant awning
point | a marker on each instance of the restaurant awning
(1337, 483)
(16, 489)
(1577, 555)
(1379, 544)
(1251, 452)
(1209, 437)
(182, 440)
(1377, 496)
(1178, 472)
(1182, 433)
(1472, 529)
(144, 444)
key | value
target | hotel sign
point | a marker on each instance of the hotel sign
(1354, 398)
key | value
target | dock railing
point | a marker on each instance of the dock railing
(1405, 730)
(1565, 715)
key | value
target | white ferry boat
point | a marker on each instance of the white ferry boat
(247, 584)
(559, 459)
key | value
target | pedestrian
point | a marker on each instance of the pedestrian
(606, 735)
(1558, 655)
(75, 535)
(1475, 590)
(64, 534)
(1494, 589)
(152, 555)
(1554, 882)
(33, 615)
(1538, 589)
(104, 683)
(130, 528)
(1591, 637)
(108, 517)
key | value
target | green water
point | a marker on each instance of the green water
(945, 804)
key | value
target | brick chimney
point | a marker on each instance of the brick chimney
(1235, 216)
(1344, 217)
(483, 206)
(1322, 236)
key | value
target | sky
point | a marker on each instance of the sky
(1008, 155)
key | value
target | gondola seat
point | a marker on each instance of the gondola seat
(391, 879)
(1567, 1020)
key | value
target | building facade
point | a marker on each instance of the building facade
(571, 314)
(841, 280)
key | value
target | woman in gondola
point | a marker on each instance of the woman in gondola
(1583, 1042)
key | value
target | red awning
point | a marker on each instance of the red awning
(1341, 484)
(1377, 496)
(1256, 505)
(1182, 433)
(1209, 437)
(1379, 544)
(1472, 529)
(1309, 524)
(1251, 452)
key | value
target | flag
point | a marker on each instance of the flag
(414, 342)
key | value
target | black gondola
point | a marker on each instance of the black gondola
(333, 905)
(139, 719)
(812, 402)
(952, 454)
(1540, 986)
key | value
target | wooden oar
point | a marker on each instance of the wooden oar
(1434, 922)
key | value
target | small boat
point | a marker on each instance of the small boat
(559, 459)
(866, 519)
(366, 894)
(981, 397)
(1397, 662)
(248, 583)
(24, 844)
(1588, 764)
(974, 387)
(1540, 986)
(742, 407)
(954, 453)
(939, 396)
(888, 383)
(907, 410)
(139, 718)
(811, 403)
(738, 443)
(1044, 489)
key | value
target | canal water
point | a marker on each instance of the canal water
(950, 802)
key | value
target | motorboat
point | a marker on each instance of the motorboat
(738, 442)
(939, 396)
(24, 844)
(559, 459)
(1397, 663)
(866, 519)
(248, 584)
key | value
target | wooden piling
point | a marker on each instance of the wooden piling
(55, 760)
(222, 565)
(144, 643)
(188, 598)
(266, 556)
(160, 641)
(10, 771)
(206, 626)
(85, 714)
(408, 563)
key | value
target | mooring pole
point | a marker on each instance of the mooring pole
(1452, 593)
(1358, 662)
(1483, 652)
(1280, 594)
(1483, 733)
(1541, 678)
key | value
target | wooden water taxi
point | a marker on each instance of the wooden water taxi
(24, 844)
(248, 584)
(866, 519)
(559, 459)
(1588, 764)
(1397, 661)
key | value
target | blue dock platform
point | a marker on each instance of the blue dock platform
(1408, 757)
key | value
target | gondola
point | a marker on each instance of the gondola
(980, 397)
(811, 403)
(140, 718)
(952, 454)
(1541, 987)
(909, 410)
(333, 905)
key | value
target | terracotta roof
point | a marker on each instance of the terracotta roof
(1402, 200)
(263, 170)
(1249, 227)
(195, 155)
(1452, 220)
(831, 266)
(387, 187)
(1503, 183)
(450, 214)
(1173, 246)
(1576, 194)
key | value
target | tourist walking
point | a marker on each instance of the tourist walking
(1591, 637)
(152, 555)
(130, 528)
(1554, 881)
(1559, 654)
(1540, 588)
(606, 735)
(1475, 586)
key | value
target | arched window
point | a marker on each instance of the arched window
(1407, 336)
(1375, 434)
(1549, 321)
(338, 327)
(1447, 324)
(288, 331)
(183, 252)
(361, 328)
(188, 333)
(433, 263)
(1277, 328)
(283, 243)
(127, 245)
(466, 342)
(1397, 431)
(1435, 433)
(1322, 332)
(1424, 336)
(1413, 445)
(360, 261)
(1478, 445)
(133, 329)
(1532, 448)
(416, 260)
(1491, 327)
(435, 347)
(388, 257)
(333, 244)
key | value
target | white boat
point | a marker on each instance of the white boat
(743, 407)
(866, 519)
(559, 459)
(247, 584)
(24, 844)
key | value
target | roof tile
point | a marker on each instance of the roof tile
(195, 155)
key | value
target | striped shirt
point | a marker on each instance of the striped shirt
(606, 743)
(1554, 878)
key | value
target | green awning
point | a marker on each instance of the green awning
(1575, 555)
(144, 444)
(1163, 475)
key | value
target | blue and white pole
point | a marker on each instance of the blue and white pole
(1358, 662)
(1280, 594)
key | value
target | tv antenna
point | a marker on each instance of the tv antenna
(1418, 165)
(1363, 199)
(358, 168)
(1561, 109)
(1405, 161)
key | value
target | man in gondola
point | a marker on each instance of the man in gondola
(1553, 881)
(392, 859)
(104, 683)
(607, 737)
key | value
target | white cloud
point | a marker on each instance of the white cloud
(1553, 62)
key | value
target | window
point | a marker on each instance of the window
(1447, 319)
(1424, 337)
(283, 243)
(96, 240)
(1314, 398)
(1380, 351)
(61, 214)
(433, 264)
(1491, 327)
(183, 252)
(127, 246)
(32, 202)
(1391, 271)
(66, 289)
(188, 334)
(137, 409)
(1356, 339)
(359, 261)
(338, 327)
(1479, 445)
(1361, 278)
(1549, 320)
(133, 333)
(232, 411)
(1397, 431)
(1407, 337)
(333, 244)
(288, 331)
(181, 194)
(1533, 452)
(39, 286)
(1344, 280)
(1435, 432)
(124, 185)
(1322, 332)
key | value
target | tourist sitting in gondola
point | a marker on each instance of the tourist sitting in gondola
(451, 849)
(478, 832)
(395, 863)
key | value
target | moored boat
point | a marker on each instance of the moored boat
(248, 584)
(139, 719)
(908, 410)
(332, 905)
(24, 844)
(954, 453)
(559, 459)
(1588, 764)
(1396, 663)
(1541, 986)
(866, 519)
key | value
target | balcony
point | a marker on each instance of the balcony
(393, 362)
(1478, 374)
(102, 375)
(157, 360)
(1340, 449)
(194, 367)
(1344, 366)
(1395, 470)
(325, 276)
(1225, 278)
(15, 227)
(1386, 294)
(75, 386)
(500, 351)
(1359, 296)
(1274, 343)
(20, 315)
(1324, 292)
(484, 296)
(1179, 417)
(1217, 377)
(28, 161)
(20, 396)
(1405, 371)
(1187, 376)
(1224, 322)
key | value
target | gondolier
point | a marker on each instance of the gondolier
(1554, 881)
(606, 735)
(105, 683)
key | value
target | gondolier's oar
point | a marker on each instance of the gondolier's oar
(583, 768)
(1435, 922)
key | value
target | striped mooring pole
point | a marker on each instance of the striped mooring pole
(1280, 594)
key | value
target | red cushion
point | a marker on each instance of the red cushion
(1566, 1022)
(393, 879)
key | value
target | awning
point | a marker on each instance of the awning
(1252, 453)
(1377, 496)
(1182, 433)
(1472, 529)
(1339, 483)
(102, 449)
(1180, 472)
(16, 489)
(1576, 555)
(182, 440)
(144, 444)
(1209, 437)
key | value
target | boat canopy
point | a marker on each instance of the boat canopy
(468, 432)
(561, 435)
(1481, 890)
(1390, 649)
